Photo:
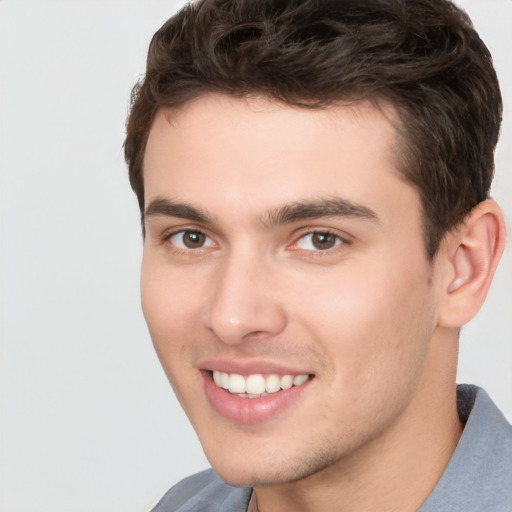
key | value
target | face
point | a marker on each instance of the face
(284, 260)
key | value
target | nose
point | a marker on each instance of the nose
(245, 301)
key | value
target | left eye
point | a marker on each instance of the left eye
(318, 241)
(189, 239)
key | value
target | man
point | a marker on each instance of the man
(314, 178)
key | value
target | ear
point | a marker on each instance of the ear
(472, 253)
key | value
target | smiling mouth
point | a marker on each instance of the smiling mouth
(256, 385)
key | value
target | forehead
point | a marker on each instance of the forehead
(254, 153)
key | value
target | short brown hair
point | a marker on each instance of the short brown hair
(421, 56)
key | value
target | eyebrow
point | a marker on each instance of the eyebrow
(171, 208)
(286, 214)
(318, 208)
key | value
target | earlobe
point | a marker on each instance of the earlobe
(474, 249)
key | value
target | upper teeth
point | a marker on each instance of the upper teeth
(256, 384)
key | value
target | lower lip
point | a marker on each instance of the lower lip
(249, 410)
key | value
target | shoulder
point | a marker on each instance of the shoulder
(487, 436)
(479, 475)
(204, 492)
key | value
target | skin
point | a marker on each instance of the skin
(369, 318)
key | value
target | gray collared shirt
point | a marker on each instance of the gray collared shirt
(478, 477)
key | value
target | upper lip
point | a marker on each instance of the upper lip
(249, 367)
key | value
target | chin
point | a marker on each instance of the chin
(252, 478)
(271, 470)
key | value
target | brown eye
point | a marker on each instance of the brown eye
(193, 239)
(318, 241)
(323, 240)
(189, 239)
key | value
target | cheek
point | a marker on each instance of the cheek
(167, 308)
(373, 320)
(168, 298)
(375, 332)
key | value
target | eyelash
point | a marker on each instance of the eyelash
(339, 241)
(185, 250)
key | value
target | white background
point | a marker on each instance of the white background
(87, 419)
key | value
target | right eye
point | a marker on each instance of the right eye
(189, 239)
